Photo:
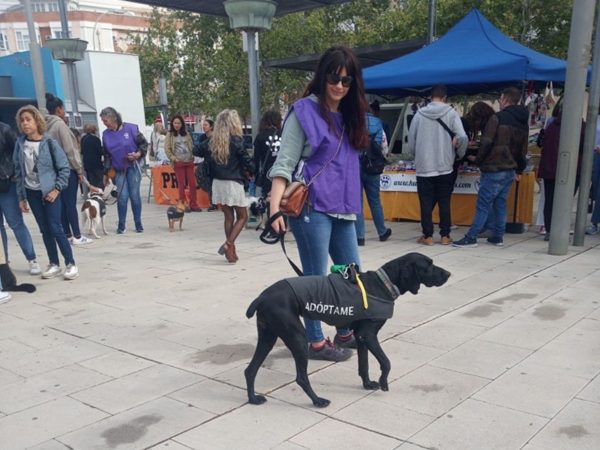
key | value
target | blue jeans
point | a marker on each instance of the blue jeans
(319, 236)
(128, 187)
(9, 207)
(68, 198)
(493, 191)
(48, 217)
(596, 186)
(370, 183)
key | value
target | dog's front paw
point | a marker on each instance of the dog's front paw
(257, 400)
(371, 385)
(383, 383)
(321, 402)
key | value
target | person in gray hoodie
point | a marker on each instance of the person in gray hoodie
(60, 132)
(436, 137)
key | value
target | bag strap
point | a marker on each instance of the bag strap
(450, 132)
(316, 175)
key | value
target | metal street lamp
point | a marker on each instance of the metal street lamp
(96, 31)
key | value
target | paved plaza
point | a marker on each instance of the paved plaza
(146, 349)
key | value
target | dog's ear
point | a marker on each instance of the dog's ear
(85, 205)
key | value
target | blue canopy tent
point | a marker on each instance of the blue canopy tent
(472, 57)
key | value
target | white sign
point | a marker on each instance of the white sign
(466, 183)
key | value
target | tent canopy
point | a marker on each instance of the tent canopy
(472, 57)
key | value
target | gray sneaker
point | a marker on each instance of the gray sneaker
(329, 352)
(51, 271)
(592, 229)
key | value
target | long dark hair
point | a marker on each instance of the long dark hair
(353, 106)
(270, 120)
(53, 103)
(182, 130)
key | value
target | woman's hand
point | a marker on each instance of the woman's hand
(277, 189)
(23, 206)
(51, 197)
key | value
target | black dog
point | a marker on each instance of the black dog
(280, 306)
(9, 281)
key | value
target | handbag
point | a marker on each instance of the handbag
(293, 199)
(295, 195)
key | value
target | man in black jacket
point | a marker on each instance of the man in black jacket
(501, 160)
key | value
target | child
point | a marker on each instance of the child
(41, 173)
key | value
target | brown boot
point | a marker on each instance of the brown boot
(229, 249)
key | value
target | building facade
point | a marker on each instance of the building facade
(107, 25)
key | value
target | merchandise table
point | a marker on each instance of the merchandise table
(400, 200)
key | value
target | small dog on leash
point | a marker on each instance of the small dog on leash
(94, 210)
(176, 213)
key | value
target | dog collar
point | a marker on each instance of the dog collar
(391, 287)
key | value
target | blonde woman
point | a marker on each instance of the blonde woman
(228, 160)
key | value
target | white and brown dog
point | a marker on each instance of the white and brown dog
(94, 210)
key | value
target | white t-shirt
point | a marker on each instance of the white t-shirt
(31, 150)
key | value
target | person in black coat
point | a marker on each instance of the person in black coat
(91, 151)
(266, 147)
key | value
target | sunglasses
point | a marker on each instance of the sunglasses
(334, 78)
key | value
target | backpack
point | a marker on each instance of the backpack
(372, 160)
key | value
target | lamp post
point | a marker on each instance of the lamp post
(251, 16)
(96, 31)
(36, 58)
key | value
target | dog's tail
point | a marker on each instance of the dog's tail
(25, 287)
(253, 307)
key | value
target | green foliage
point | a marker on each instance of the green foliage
(207, 70)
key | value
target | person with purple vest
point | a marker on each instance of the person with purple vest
(124, 145)
(325, 130)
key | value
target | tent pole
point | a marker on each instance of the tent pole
(587, 159)
(431, 22)
(582, 21)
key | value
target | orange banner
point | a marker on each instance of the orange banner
(165, 188)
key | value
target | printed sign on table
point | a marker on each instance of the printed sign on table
(466, 183)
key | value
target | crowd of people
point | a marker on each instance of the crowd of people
(327, 141)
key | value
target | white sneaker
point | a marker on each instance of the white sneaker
(81, 241)
(592, 229)
(4, 297)
(72, 272)
(51, 271)
(34, 267)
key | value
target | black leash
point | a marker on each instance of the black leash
(269, 236)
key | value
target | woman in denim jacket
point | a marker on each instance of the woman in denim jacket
(41, 173)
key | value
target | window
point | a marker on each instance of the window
(52, 6)
(37, 7)
(22, 41)
(3, 42)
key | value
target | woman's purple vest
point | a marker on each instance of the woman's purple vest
(337, 188)
(119, 143)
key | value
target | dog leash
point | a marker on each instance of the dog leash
(268, 236)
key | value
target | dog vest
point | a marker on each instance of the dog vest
(337, 301)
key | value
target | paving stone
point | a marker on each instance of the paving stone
(238, 429)
(116, 364)
(475, 425)
(212, 396)
(431, 390)
(576, 427)
(41, 423)
(532, 388)
(591, 392)
(443, 333)
(385, 418)
(169, 445)
(50, 445)
(137, 388)
(481, 358)
(41, 388)
(346, 436)
(141, 427)
(7, 377)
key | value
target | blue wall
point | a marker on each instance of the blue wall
(18, 67)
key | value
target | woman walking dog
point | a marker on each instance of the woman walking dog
(326, 131)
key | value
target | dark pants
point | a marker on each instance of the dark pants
(95, 177)
(549, 200)
(432, 191)
(48, 217)
(68, 197)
